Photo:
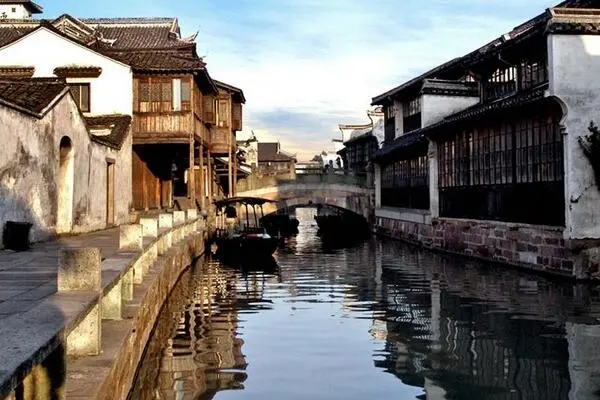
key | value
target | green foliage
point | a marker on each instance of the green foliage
(591, 148)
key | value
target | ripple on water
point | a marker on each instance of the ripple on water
(377, 320)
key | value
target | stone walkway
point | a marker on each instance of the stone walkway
(26, 278)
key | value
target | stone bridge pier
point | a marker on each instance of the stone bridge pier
(357, 199)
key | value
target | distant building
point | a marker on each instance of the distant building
(360, 142)
(273, 160)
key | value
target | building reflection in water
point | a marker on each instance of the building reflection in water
(463, 332)
(445, 327)
(196, 352)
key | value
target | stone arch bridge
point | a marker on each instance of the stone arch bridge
(341, 191)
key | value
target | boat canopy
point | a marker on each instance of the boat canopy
(251, 201)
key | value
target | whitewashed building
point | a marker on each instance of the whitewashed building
(483, 155)
(58, 171)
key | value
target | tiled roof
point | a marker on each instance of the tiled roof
(78, 71)
(11, 32)
(116, 125)
(270, 152)
(16, 71)
(31, 95)
(449, 87)
(574, 21)
(30, 5)
(534, 26)
(409, 142)
(164, 61)
(238, 94)
(360, 136)
(414, 139)
(123, 37)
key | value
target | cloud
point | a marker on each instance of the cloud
(307, 65)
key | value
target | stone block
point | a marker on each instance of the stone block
(127, 286)
(149, 227)
(165, 220)
(192, 214)
(79, 269)
(112, 303)
(85, 339)
(178, 217)
(130, 238)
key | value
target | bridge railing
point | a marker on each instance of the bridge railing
(254, 182)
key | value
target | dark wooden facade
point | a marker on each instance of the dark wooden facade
(178, 129)
(508, 168)
(405, 181)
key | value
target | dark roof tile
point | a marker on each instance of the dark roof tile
(163, 61)
(271, 152)
(31, 95)
(117, 125)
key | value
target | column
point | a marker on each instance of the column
(209, 177)
(191, 183)
(434, 193)
(201, 178)
(229, 174)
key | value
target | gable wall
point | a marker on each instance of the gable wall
(110, 93)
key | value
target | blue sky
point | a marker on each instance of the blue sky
(307, 65)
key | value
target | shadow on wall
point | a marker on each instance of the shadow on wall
(16, 210)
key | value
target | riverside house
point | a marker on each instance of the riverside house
(60, 171)
(485, 155)
(143, 68)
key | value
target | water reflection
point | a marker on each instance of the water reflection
(379, 320)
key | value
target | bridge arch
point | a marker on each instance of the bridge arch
(359, 200)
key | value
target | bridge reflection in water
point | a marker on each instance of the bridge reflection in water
(380, 320)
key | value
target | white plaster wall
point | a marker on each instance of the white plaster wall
(434, 108)
(29, 160)
(110, 93)
(19, 13)
(574, 64)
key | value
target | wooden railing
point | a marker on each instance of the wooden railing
(162, 125)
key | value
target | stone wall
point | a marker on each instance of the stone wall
(29, 172)
(533, 247)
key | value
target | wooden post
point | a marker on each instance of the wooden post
(191, 183)
(209, 177)
(202, 178)
(229, 175)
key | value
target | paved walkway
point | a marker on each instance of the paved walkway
(26, 278)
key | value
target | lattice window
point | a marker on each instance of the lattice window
(411, 114)
(502, 171)
(405, 183)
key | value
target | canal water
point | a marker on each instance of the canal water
(378, 320)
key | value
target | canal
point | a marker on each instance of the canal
(379, 320)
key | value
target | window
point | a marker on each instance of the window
(163, 95)
(223, 113)
(411, 111)
(81, 94)
(390, 122)
(13, 10)
(405, 183)
(502, 170)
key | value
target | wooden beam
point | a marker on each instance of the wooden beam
(201, 178)
(191, 183)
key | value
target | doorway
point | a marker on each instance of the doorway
(65, 183)
(110, 193)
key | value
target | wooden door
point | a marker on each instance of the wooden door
(110, 194)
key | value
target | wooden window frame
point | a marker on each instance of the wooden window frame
(77, 95)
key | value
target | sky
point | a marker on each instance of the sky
(306, 66)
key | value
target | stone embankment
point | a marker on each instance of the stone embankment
(80, 330)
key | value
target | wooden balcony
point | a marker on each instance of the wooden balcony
(167, 127)
(221, 141)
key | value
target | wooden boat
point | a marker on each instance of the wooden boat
(245, 241)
